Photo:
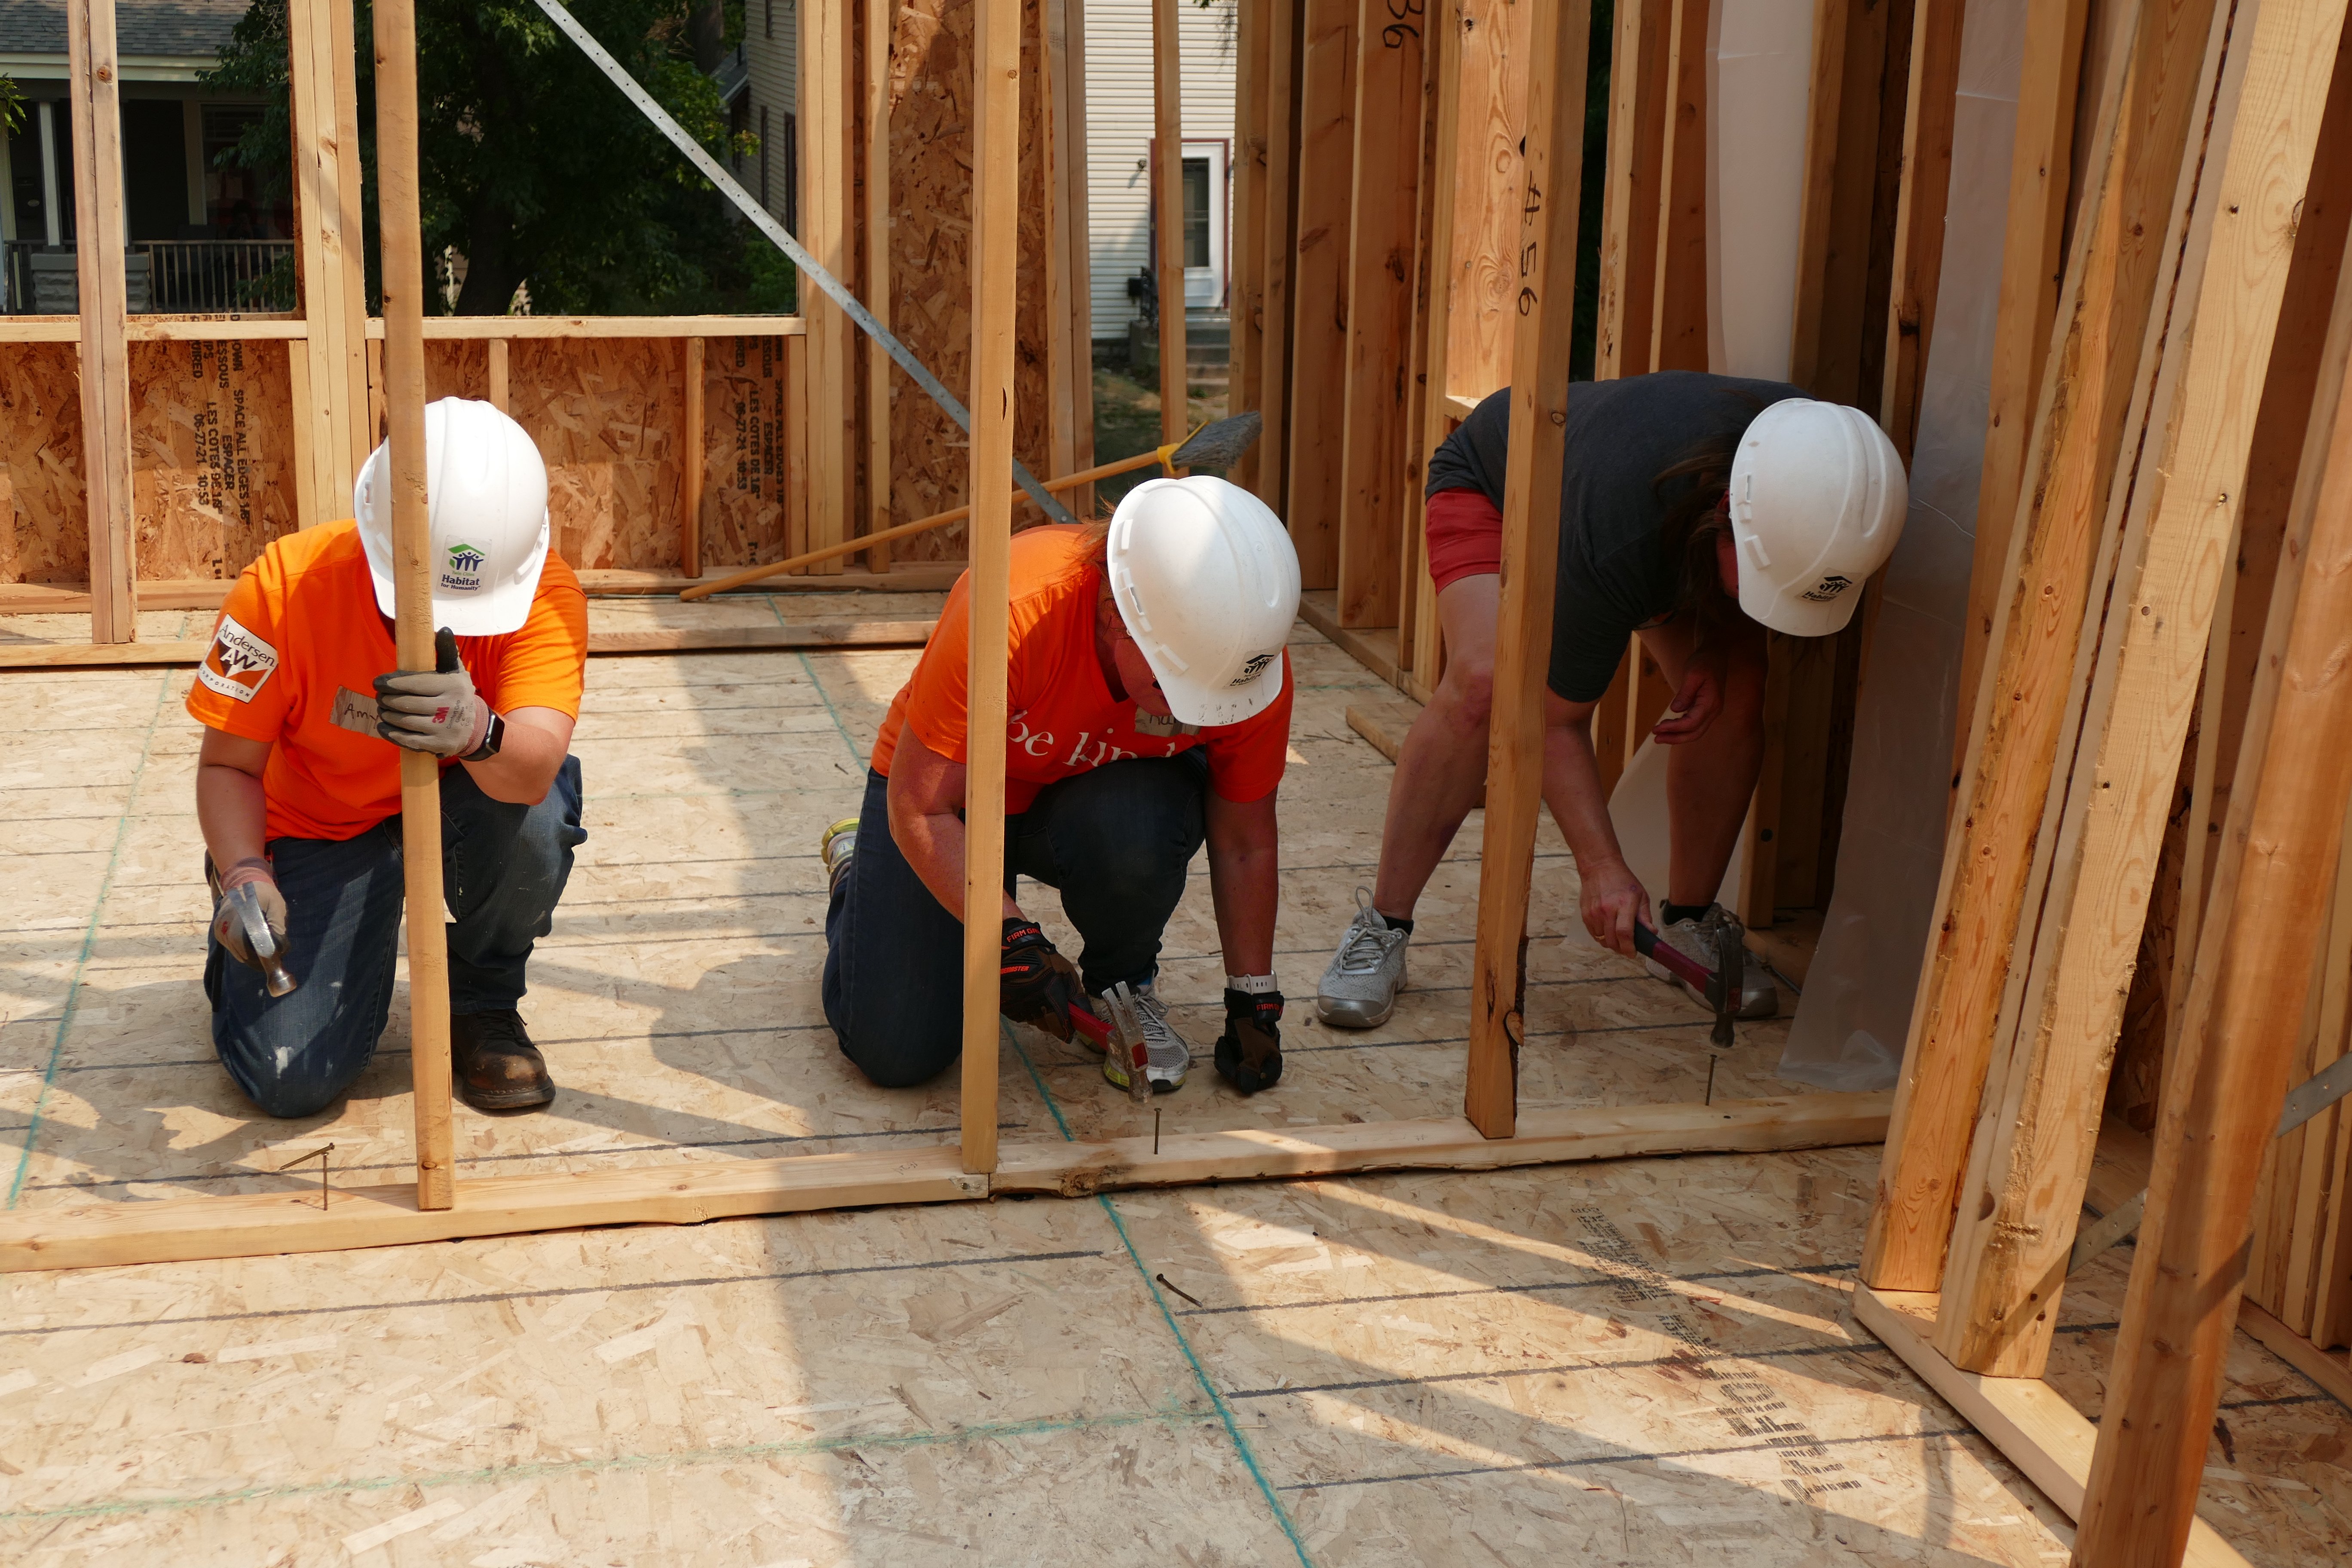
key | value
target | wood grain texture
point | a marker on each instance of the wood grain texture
(214, 477)
(2027, 696)
(2172, 562)
(1489, 178)
(1441, 1143)
(995, 250)
(95, 105)
(324, 101)
(2032, 259)
(1631, 206)
(45, 505)
(693, 469)
(1245, 288)
(186, 1229)
(398, 223)
(1168, 215)
(876, 37)
(1928, 117)
(1678, 324)
(1384, 219)
(2030, 1421)
(1558, 41)
(829, 222)
(2254, 970)
(1318, 285)
(748, 487)
(1270, 477)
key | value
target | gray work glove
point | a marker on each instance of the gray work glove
(227, 928)
(432, 710)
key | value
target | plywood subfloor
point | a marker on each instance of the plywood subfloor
(1603, 1362)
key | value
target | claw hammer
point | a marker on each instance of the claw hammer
(1720, 985)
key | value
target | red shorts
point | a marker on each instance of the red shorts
(1465, 537)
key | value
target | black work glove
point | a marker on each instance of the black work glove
(1249, 1053)
(1036, 984)
(435, 710)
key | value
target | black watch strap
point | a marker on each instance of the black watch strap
(492, 739)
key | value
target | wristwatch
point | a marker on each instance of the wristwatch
(492, 738)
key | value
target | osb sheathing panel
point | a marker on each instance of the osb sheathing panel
(457, 370)
(752, 474)
(212, 454)
(47, 536)
(930, 253)
(606, 414)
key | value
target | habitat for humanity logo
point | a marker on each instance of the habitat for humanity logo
(462, 571)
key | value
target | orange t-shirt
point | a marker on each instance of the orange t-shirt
(302, 628)
(1060, 717)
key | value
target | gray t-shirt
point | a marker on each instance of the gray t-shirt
(1614, 571)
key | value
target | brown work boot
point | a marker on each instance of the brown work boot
(494, 1063)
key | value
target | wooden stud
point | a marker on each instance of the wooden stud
(2228, 1073)
(1382, 218)
(691, 457)
(1167, 265)
(1318, 338)
(996, 44)
(1072, 84)
(1817, 216)
(323, 96)
(880, 39)
(2032, 259)
(1416, 594)
(1679, 330)
(1932, 102)
(1639, 86)
(2033, 1153)
(1277, 250)
(2026, 697)
(826, 229)
(403, 242)
(1531, 491)
(1246, 290)
(672, 640)
(501, 377)
(97, 111)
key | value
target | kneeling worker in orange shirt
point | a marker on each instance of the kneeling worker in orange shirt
(298, 784)
(1148, 711)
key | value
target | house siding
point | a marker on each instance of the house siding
(771, 49)
(1119, 133)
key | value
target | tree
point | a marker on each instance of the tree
(532, 165)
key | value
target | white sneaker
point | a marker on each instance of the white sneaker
(1359, 985)
(1167, 1058)
(1759, 997)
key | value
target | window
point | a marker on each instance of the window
(1196, 213)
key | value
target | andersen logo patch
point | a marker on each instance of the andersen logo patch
(461, 568)
(237, 664)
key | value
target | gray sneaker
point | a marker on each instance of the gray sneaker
(1359, 985)
(1759, 997)
(1167, 1059)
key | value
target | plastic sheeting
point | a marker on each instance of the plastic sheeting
(1856, 1011)
(1760, 70)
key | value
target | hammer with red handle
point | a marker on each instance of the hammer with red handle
(1720, 985)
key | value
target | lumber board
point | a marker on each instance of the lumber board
(324, 98)
(207, 593)
(1678, 323)
(2030, 1421)
(2332, 1371)
(1079, 237)
(1319, 287)
(178, 1230)
(1928, 117)
(878, 43)
(1168, 204)
(692, 460)
(1558, 43)
(1490, 176)
(1546, 1136)
(826, 110)
(96, 108)
(1639, 86)
(1062, 131)
(2031, 260)
(1419, 634)
(1383, 216)
(995, 142)
(1245, 289)
(2026, 695)
(2033, 1152)
(680, 639)
(2228, 1069)
(468, 329)
(1269, 478)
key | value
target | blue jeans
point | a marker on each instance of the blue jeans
(503, 867)
(1115, 841)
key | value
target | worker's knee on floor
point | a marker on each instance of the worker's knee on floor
(288, 1082)
(896, 1064)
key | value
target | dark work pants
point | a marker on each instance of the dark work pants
(503, 867)
(1115, 841)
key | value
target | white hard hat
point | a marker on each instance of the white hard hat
(1207, 583)
(485, 495)
(1818, 499)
